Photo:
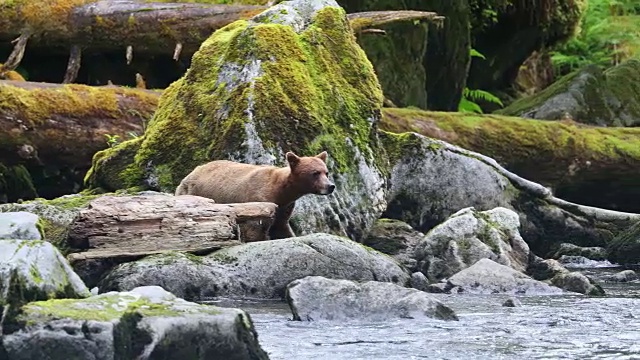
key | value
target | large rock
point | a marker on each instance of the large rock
(145, 323)
(19, 225)
(468, 236)
(554, 273)
(243, 100)
(588, 95)
(319, 298)
(33, 270)
(257, 270)
(431, 180)
(395, 238)
(625, 248)
(489, 277)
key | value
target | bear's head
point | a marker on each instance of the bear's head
(310, 173)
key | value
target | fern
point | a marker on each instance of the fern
(469, 96)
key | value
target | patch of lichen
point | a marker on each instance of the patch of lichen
(38, 15)
(306, 92)
(72, 100)
(518, 143)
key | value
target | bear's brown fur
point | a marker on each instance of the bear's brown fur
(231, 182)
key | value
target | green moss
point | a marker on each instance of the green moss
(38, 15)
(521, 144)
(35, 274)
(309, 93)
(223, 258)
(624, 82)
(16, 182)
(239, 2)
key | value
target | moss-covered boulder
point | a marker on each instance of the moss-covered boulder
(625, 248)
(32, 270)
(145, 323)
(395, 238)
(291, 78)
(588, 95)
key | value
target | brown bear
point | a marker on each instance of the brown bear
(232, 182)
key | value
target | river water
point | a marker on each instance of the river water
(544, 327)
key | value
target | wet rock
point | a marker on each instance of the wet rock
(553, 272)
(568, 249)
(489, 277)
(419, 281)
(257, 270)
(577, 282)
(395, 238)
(438, 288)
(624, 249)
(512, 302)
(588, 95)
(623, 276)
(468, 236)
(145, 323)
(32, 270)
(19, 225)
(318, 298)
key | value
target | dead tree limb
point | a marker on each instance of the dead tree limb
(371, 19)
(75, 57)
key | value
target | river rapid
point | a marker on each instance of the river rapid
(543, 327)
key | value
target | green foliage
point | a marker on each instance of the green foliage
(470, 96)
(609, 33)
(112, 140)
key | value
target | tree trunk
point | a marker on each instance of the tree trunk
(54, 130)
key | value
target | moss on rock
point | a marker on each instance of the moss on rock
(588, 95)
(15, 183)
(624, 249)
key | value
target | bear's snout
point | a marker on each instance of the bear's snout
(331, 187)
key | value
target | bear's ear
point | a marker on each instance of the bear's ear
(292, 158)
(322, 156)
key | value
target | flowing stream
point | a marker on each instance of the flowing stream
(543, 327)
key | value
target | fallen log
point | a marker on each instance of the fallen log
(136, 26)
(144, 224)
(58, 128)
(116, 229)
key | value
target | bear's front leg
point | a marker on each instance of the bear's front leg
(281, 228)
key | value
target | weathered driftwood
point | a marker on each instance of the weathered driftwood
(64, 125)
(135, 26)
(116, 226)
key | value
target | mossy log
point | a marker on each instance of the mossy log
(133, 26)
(54, 130)
(584, 164)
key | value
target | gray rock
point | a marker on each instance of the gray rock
(623, 276)
(588, 95)
(489, 277)
(33, 270)
(395, 238)
(259, 270)
(468, 236)
(19, 225)
(512, 302)
(624, 249)
(553, 272)
(419, 281)
(145, 323)
(577, 282)
(319, 298)
(593, 252)
(438, 288)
